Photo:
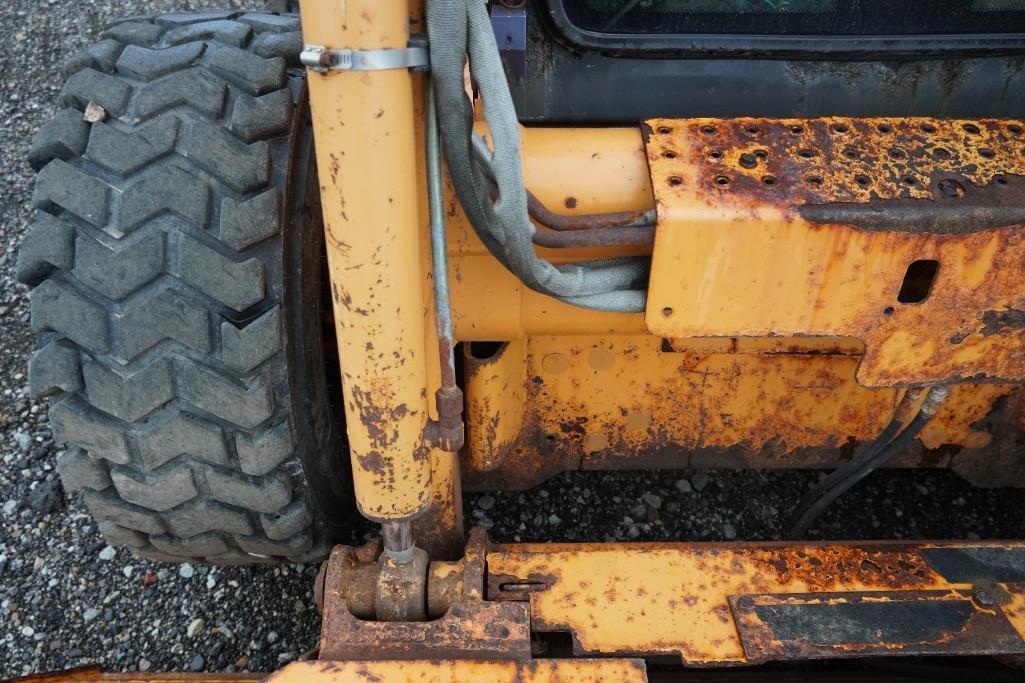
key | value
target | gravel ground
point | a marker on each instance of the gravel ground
(67, 599)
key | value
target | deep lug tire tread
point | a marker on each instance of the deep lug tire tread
(156, 266)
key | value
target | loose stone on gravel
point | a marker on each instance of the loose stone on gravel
(196, 627)
(46, 497)
(699, 480)
(107, 553)
(186, 571)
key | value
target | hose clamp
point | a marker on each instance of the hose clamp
(323, 59)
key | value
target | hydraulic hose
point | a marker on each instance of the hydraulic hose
(881, 451)
(461, 29)
(905, 410)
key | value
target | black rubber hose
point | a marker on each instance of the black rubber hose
(847, 469)
(803, 521)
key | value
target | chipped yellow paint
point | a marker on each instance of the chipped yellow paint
(672, 599)
(731, 403)
(736, 254)
(423, 671)
(365, 127)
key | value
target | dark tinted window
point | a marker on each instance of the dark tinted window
(798, 17)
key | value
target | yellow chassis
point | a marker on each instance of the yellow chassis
(773, 335)
(771, 338)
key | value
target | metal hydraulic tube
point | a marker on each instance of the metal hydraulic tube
(365, 125)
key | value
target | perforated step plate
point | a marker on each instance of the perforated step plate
(908, 234)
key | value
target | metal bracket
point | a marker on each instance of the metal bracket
(324, 59)
(510, 26)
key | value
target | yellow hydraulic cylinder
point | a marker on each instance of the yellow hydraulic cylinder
(364, 126)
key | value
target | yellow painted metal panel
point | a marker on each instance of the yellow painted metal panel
(674, 598)
(422, 671)
(628, 401)
(787, 227)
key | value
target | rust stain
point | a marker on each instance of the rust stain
(804, 626)
(819, 221)
(676, 598)
(733, 403)
(534, 671)
(468, 628)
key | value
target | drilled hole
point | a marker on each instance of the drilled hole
(941, 153)
(709, 130)
(897, 153)
(949, 187)
(851, 153)
(761, 153)
(884, 128)
(806, 153)
(675, 180)
(814, 180)
(665, 130)
(1014, 129)
(909, 180)
(722, 181)
(748, 160)
(795, 129)
(667, 311)
(840, 128)
(971, 129)
(715, 154)
(752, 130)
(918, 281)
(888, 310)
(928, 128)
(986, 153)
(769, 180)
(863, 180)
(669, 154)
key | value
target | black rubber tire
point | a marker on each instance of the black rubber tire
(169, 270)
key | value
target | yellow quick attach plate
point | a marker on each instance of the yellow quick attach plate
(905, 233)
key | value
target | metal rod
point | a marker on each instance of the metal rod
(613, 219)
(442, 303)
(397, 539)
(449, 432)
(562, 222)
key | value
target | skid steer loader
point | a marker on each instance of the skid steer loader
(290, 269)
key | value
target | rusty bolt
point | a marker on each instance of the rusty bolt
(984, 599)
(449, 401)
(744, 602)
